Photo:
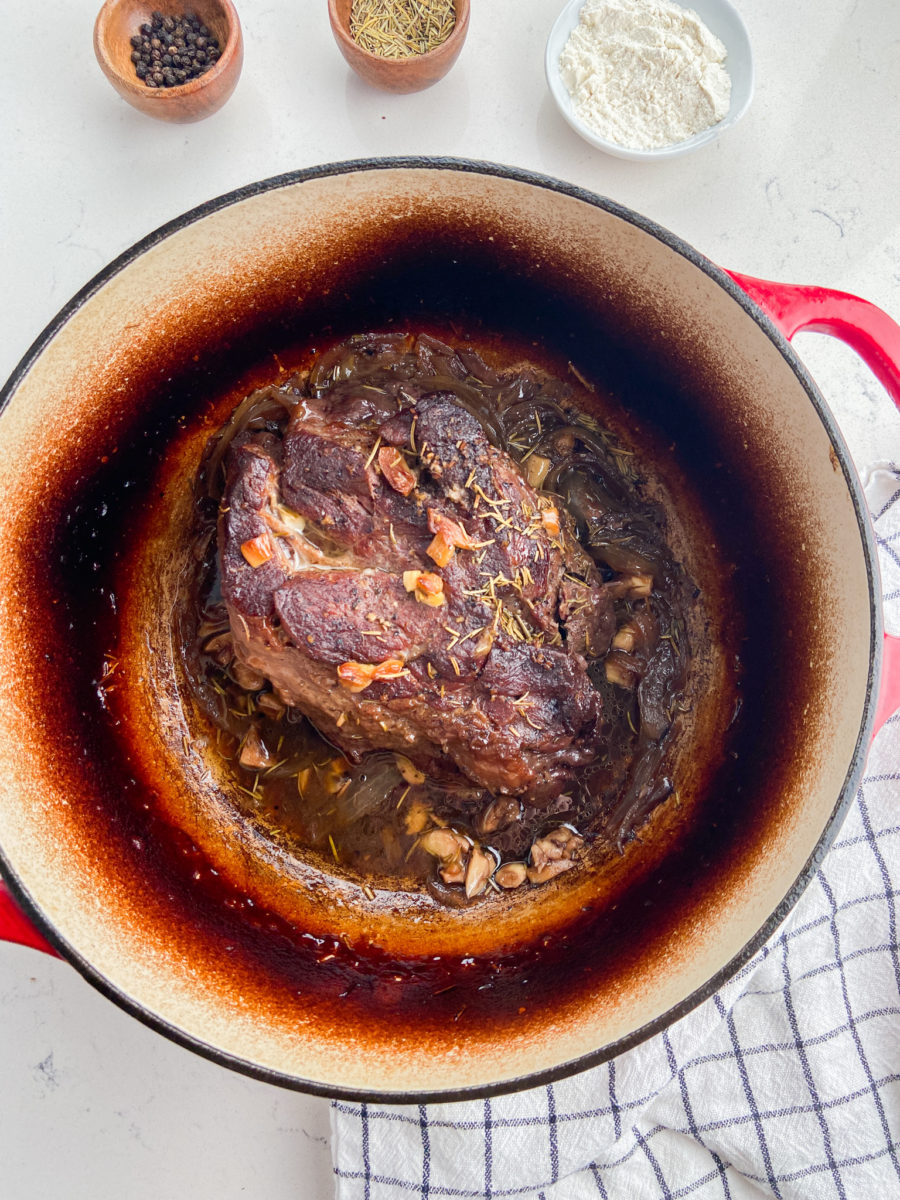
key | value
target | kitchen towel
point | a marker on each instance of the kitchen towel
(784, 1083)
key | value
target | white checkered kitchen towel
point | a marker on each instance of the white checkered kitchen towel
(785, 1083)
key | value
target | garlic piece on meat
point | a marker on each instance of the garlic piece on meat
(550, 520)
(485, 642)
(393, 467)
(356, 676)
(257, 550)
(449, 535)
(453, 871)
(425, 586)
(440, 550)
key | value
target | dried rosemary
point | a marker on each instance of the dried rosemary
(401, 28)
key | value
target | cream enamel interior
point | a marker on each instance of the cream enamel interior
(293, 234)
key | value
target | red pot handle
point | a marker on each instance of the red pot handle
(876, 339)
(889, 691)
(866, 329)
(14, 927)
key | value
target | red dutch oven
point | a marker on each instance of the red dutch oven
(118, 845)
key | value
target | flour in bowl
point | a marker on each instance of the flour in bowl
(645, 73)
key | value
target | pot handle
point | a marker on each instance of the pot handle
(14, 927)
(876, 339)
(889, 689)
(866, 329)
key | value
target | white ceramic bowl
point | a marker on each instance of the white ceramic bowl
(721, 18)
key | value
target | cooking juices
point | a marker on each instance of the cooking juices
(616, 617)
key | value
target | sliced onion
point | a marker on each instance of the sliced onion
(360, 354)
(256, 411)
(621, 556)
(368, 788)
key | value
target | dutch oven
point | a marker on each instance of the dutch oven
(116, 841)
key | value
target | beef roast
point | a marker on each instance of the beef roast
(398, 581)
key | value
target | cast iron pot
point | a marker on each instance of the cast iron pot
(118, 841)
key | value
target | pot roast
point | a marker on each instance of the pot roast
(439, 636)
(400, 582)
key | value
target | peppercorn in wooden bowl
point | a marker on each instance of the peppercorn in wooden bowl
(134, 38)
(361, 25)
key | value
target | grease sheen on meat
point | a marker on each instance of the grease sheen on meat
(480, 671)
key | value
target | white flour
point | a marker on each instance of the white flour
(645, 73)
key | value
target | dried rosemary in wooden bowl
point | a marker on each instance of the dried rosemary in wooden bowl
(400, 45)
(401, 28)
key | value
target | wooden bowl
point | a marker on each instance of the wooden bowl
(119, 20)
(412, 74)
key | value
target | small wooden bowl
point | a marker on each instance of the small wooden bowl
(398, 74)
(119, 20)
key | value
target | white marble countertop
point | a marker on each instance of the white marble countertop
(93, 1106)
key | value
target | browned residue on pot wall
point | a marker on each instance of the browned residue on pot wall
(88, 556)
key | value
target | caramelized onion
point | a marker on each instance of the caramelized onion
(266, 408)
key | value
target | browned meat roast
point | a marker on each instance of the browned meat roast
(397, 580)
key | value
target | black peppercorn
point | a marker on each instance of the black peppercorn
(170, 51)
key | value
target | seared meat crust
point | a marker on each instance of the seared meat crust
(485, 675)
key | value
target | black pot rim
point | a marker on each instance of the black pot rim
(857, 762)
